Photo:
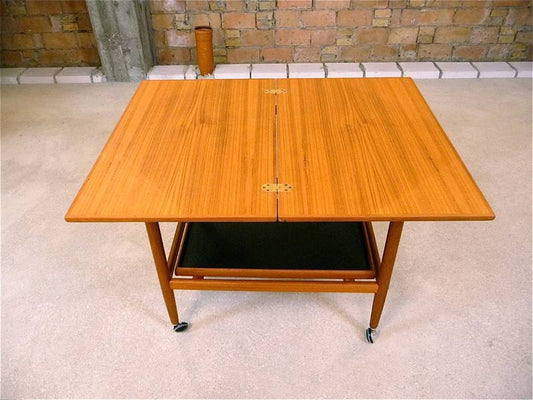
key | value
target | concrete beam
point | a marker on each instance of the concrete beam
(124, 37)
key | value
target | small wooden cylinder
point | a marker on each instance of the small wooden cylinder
(204, 49)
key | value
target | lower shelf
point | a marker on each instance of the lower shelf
(277, 250)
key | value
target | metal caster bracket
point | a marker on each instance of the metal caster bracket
(182, 326)
(370, 335)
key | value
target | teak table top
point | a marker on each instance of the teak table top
(186, 150)
(352, 150)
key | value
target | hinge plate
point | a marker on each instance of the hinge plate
(276, 187)
(276, 91)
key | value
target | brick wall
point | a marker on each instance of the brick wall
(46, 33)
(344, 30)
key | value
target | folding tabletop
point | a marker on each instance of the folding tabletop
(275, 183)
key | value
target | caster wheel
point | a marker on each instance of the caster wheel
(182, 326)
(370, 335)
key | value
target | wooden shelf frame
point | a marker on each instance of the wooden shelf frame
(183, 274)
(277, 280)
(273, 280)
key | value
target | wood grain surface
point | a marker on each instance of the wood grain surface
(186, 151)
(368, 149)
(352, 149)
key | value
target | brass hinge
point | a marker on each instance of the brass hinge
(276, 187)
(276, 91)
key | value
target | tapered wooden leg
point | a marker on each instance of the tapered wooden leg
(161, 265)
(385, 271)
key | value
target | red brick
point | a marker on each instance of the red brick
(318, 18)
(30, 57)
(43, 7)
(84, 23)
(11, 58)
(74, 6)
(332, 4)
(238, 20)
(323, 37)
(197, 5)
(180, 38)
(435, 51)
(290, 37)
(354, 17)
(170, 6)
(17, 41)
(384, 52)
(161, 22)
(307, 54)
(174, 56)
(471, 16)
(286, 19)
(9, 24)
(469, 52)
(89, 56)
(277, 54)
(370, 36)
(408, 52)
(243, 55)
(59, 57)
(484, 34)
(34, 24)
(427, 17)
(86, 39)
(209, 19)
(359, 53)
(294, 4)
(454, 34)
(60, 40)
(160, 39)
(257, 38)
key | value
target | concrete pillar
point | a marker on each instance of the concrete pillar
(124, 37)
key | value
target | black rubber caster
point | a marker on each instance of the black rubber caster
(182, 326)
(370, 335)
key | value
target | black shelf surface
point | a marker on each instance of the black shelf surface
(276, 245)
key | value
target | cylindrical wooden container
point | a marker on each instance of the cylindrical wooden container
(204, 49)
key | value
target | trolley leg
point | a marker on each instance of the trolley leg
(384, 276)
(161, 265)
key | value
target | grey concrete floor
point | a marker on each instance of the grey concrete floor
(82, 313)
